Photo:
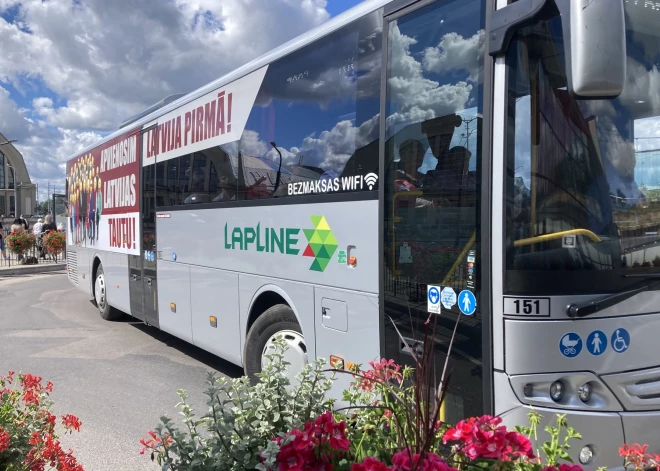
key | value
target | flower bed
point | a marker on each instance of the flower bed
(28, 437)
(389, 424)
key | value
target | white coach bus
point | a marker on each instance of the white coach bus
(491, 161)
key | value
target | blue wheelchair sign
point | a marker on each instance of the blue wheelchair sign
(467, 303)
(620, 340)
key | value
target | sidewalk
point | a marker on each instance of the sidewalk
(31, 269)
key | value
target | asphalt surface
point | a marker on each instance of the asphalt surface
(117, 377)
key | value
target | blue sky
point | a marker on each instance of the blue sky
(71, 70)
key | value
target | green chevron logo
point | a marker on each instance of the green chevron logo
(321, 243)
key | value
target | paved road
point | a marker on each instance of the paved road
(118, 377)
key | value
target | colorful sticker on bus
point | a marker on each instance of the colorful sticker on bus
(103, 188)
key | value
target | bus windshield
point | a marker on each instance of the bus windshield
(583, 176)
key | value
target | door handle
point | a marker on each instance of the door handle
(325, 312)
(134, 277)
(149, 281)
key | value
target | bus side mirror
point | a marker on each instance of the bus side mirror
(594, 35)
(595, 46)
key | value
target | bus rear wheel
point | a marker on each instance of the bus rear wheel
(101, 297)
(279, 320)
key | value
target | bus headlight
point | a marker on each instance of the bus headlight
(584, 393)
(557, 391)
(586, 455)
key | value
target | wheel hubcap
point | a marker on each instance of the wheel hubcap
(295, 354)
(99, 291)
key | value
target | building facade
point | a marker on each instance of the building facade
(18, 195)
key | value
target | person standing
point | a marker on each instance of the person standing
(3, 253)
(36, 229)
(49, 225)
(18, 227)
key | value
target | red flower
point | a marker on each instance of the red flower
(290, 459)
(380, 372)
(4, 440)
(31, 382)
(50, 419)
(149, 443)
(338, 440)
(570, 467)
(486, 438)
(71, 422)
(314, 447)
(401, 460)
(370, 464)
(325, 421)
(405, 461)
(636, 456)
(30, 397)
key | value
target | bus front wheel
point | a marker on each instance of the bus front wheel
(101, 297)
(279, 320)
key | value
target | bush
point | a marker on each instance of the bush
(54, 242)
(28, 440)
(20, 243)
(241, 419)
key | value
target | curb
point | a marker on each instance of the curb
(32, 269)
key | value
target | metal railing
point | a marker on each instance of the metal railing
(37, 254)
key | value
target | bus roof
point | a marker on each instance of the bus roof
(350, 15)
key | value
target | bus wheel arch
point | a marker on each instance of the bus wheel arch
(272, 314)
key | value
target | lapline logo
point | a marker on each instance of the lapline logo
(321, 245)
(321, 242)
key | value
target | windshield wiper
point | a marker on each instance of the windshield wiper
(591, 307)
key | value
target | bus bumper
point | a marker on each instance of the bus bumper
(602, 432)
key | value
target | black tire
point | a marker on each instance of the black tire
(276, 319)
(101, 297)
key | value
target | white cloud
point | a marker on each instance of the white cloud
(456, 53)
(330, 150)
(416, 97)
(13, 123)
(104, 61)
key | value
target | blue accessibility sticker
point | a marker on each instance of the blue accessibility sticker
(597, 342)
(620, 340)
(467, 303)
(570, 345)
(174, 256)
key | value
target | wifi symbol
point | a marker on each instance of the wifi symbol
(371, 179)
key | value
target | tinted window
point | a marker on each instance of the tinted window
(202, 177)
(320, 107)
(2, 173)
(583, 176)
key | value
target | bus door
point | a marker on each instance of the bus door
(142, 268)
(149, 253)
(432, 160)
